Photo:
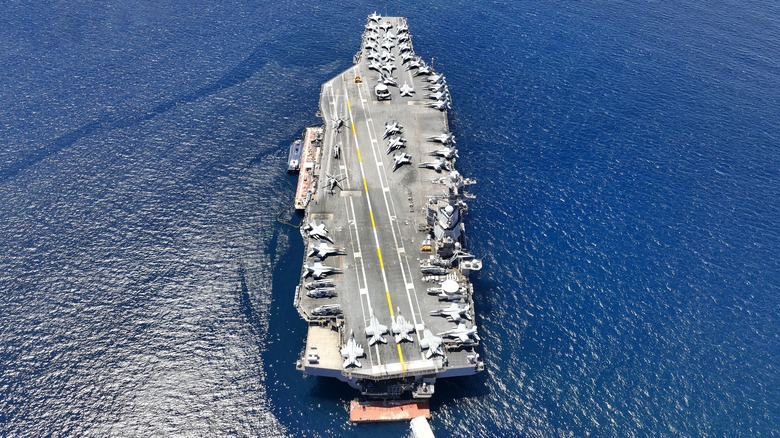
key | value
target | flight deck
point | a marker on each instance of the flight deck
(385, 278)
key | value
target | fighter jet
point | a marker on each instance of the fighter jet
(435, 88)
(374, 17)
(387, 44)
(386, 26)
(372, 27)
(440, 105)
(401, 329)
(455, 312)
(319, 284)
(372, 56)
(445, 139)
(388, 36)
(402, 28)
(441, 95)
(401, 159)
(414, 63)
(388, 80)
(436, 165)
(351, 352)
(375, 330)
(404, 47)
(371, 45)
(395, 143)
(389, 67)
(436, 78)
(318, 270)
(321, 293)
(326, 310)
(375, 65)
(403, 37)
(446, 153)
(318, 232)
(335, 181)
(462, 332)
(407, 90)
(424, 70)
(406, 57)
(432, 343)
(386, 56)
(392, 129)
(372, 36)
(322, 250)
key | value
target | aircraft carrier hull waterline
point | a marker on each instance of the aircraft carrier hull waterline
(385, 284)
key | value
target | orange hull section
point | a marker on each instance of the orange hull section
(378, 411)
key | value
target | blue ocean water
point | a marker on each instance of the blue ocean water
(627, 208)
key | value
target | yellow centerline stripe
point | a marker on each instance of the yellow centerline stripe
(401, 357)
(392, 315)
(373, 224)
(390, 303)
(365, 185)
(382, 266)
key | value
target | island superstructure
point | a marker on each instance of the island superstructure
(385, 284)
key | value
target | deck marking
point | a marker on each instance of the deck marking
(401, 357)
(382, 267)
(371, 213)
(390, 303)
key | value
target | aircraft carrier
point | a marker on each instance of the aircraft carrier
(385, 284)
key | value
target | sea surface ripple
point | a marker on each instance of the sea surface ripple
(627, 211)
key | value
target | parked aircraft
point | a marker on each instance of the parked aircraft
(401, 329)
(431, 343)
(318, 232)
(406, 90)
(318, 270)
(437, 165)
(375, 330)
(455, 312)
(395, 143)
(462, 332)
(401, 159)
(392, 129)
(322, 250)
(351, 352)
